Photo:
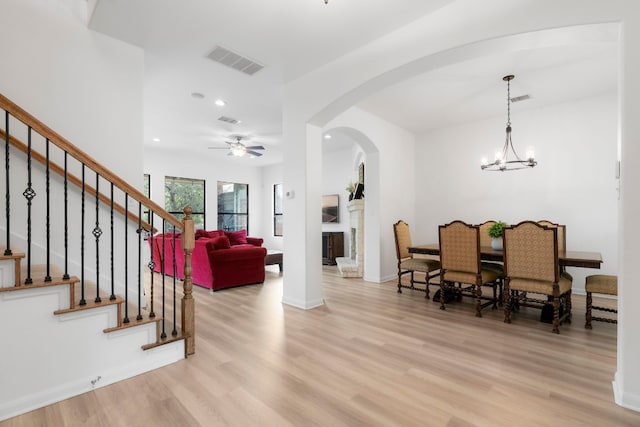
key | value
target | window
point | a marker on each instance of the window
(181, 192)
(233, 206)
(277, 209)
(146, 190)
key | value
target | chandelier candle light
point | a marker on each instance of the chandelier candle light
(501, 162)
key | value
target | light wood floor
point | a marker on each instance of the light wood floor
(368, 357)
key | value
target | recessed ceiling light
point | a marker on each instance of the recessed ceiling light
(197, 95)
(220, 102)
(327, 136)
(156, 139)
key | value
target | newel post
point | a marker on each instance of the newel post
(188, 304)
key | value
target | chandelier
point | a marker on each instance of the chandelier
(501, 161)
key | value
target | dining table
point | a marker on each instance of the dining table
(487, 253)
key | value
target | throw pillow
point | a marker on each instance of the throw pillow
(221, 242)
(200, 234)
(215, 233)
(237, 237)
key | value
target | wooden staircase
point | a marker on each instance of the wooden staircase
(93, 306)
(54, 277)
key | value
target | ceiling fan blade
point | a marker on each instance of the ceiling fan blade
(253, 153)
(255, 147)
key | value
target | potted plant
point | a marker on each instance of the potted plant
(495, 232)
(351, 187)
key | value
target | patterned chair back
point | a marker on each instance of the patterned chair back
(562, 235)
(403, 239)
(460, 247)
(531, 252)
(485, 239)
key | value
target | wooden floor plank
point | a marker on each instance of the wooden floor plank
(368, 357)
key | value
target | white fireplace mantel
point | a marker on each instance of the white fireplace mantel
(353, 265)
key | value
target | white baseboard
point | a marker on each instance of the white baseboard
(304, 305)
(626, 400)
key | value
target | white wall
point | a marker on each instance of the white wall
(84, 85)
(160, 163)
(573, 184)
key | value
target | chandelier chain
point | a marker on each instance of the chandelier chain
(509, 102)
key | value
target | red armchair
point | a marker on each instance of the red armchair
(219, 259)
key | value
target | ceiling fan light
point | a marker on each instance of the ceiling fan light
(238, 150)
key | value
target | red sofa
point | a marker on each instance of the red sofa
(220, 259)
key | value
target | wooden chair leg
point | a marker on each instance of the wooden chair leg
(478, 300)
(507, 306)
(426, 279)
(442, 289)
(588, 313)
(556, 315)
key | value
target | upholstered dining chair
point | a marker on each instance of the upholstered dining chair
(562, 235)
(562, 241)
(531, 267)
(460, 264)
(485, 240)
(407, 264)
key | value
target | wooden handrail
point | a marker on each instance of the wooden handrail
(84, 158)
(74, 180)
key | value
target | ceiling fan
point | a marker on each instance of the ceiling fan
(238, 149)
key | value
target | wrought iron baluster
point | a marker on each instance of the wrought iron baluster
(7, 250)
(113, 295)
(164, 242)
(139, 316)
(47, 277)
(152, 263)
(65, 276)
(82, 300)
(175, 273)
(29, 194)
(97, 232)
(126, 258)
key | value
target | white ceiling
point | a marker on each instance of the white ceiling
(293, 37)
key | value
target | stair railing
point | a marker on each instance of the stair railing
(19, 122)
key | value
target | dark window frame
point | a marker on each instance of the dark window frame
(277, 213)
(180, 214)
(225, 217)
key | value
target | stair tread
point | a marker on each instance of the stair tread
(15, 254)
(91, 304)
(132, 323)
(40, 283)
(162, 341)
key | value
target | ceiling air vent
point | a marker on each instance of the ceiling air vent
(520, 98)
(229, 120)
(237, 62)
